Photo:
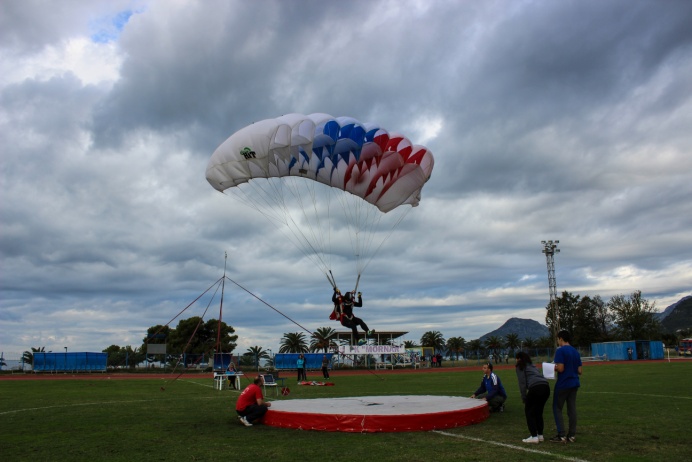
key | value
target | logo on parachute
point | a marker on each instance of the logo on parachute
(248, 153)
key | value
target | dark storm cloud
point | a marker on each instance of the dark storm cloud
(206, 83)
(560, 68)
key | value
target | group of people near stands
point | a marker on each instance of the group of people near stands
(302, 364)
(535, 391)
(436, 360)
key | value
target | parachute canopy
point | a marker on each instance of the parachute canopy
(364, 159)
(290, 168)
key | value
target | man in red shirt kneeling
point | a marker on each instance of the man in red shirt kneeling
(250, 405)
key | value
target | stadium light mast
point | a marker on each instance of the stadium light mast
(550, 249)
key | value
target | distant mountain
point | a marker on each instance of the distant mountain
(680, 317)
(664, 314)
(524, 328)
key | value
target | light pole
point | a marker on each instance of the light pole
(550, 249)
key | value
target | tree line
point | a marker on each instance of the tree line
(589, 319)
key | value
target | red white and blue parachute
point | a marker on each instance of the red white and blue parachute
(276, 165)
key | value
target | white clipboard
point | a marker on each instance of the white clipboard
(549, 371)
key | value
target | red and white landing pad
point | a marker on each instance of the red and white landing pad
(368, 414)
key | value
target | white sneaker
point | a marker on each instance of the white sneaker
(244, 421)
(531, 439)
(540, 438)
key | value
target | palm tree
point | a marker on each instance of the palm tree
(494, 345)
(475, 346)
(456, 345)
(28, 356)
(293, 342)
(545, 342)
(257, 353)
(512, 341)
(323, 339)
(409, 344)
(246, 359)
(529, 342)
(434, 339)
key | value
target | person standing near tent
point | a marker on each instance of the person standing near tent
(568, 367)
(491, 385)
(325, 367)
(300, 365)
(344, 307)
(251, 406)
(535, 391)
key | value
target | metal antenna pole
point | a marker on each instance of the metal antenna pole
(223, 286)
(550, 249)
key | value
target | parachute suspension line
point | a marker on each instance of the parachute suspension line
(269, 202)
(303, 242)
(321, 225)
(314, 224)
(294, 322)
(313, 249)
(350, 211)
(258, 201)
(389, 233)
(357, 282)
(370, 217)
(307, 215)
(364, 220)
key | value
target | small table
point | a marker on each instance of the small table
(221, 378)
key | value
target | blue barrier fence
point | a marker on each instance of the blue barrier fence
(70, 362)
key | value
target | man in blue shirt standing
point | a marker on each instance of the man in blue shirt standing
(568, 366)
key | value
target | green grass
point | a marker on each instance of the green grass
(627, 412)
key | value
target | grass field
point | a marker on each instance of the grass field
(627, 412)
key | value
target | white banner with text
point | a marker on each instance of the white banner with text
(371, 350)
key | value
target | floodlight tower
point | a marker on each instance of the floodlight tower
(550, 249)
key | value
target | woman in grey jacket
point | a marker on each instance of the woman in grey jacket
(535, 391)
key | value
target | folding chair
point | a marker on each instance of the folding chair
(271, 383)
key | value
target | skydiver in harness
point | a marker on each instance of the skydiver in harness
(343, 306)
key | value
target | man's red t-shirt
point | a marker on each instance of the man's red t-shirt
(249, 396)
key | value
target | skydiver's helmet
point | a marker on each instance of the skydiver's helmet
(348, 296)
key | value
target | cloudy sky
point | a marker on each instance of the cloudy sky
(561, 120)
